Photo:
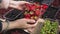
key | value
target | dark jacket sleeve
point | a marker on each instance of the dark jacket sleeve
(0, 25)
(0, 1)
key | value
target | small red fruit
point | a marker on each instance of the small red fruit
(37, 12)
(44, 6)
(27, 15)
(33, 7)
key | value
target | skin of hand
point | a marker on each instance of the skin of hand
(20, 23)
(33, 28)
(17, 4)
(5, 4)
(11, 3)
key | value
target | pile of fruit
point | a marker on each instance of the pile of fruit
(49, 27)
(35, 10)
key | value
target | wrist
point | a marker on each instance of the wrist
(4, 25)
(12, 25)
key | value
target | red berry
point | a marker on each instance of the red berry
(33, 7)
(42, 12)
(37, 12)
(44, 6)
(28, 6)
(39, 7)
(27, 16)
(37, 2)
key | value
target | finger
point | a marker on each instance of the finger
(16, 7)
(23, 2)
(40, 20)
(30, 21)
(27, 2)
(30, 26)
(13, 6)
(30, 30)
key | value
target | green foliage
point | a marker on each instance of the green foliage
(49, 27)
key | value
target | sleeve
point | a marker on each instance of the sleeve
(0, 1)
(0, 26)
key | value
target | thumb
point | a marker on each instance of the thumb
(16, 7)
(31, 26)
(40, 20)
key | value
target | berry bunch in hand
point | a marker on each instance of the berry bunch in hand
(35, 10)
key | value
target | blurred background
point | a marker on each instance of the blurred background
(55, 4)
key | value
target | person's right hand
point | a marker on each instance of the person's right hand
(22, 23)
(18, 4)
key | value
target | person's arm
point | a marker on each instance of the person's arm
(20, 23)
(13, 4)
(4, 4)
(6, 26)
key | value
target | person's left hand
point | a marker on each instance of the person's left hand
(17, 4)
(37, 22)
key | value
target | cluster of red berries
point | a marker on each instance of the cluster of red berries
(34, 11)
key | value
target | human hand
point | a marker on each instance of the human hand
(17, 4)
(22, 23)
(5, 4)
(31, 30)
